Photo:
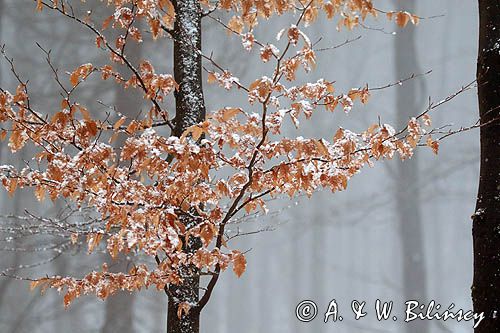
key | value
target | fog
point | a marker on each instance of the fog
(401, 230)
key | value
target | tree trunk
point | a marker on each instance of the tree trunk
(190, 110)
(119, 309)
(119, 313)
(407, 190)
(189, 100)
(486, 220)
(3, 284)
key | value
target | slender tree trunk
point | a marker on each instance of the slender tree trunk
(407, 191)
(119, 313)
(486, 220)
(13, 261)
(3, 284)
(119, 309)
(9, 305)
(190, 110)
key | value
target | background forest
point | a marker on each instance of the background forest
(402, 227)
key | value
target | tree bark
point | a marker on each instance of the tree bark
(486, 220)
(190, 110)
(407, 190)
(189, 100)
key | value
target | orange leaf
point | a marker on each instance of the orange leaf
(239, 263)
(207, 233)
(236, 24)
(40, 193)
(34, 284)
(322, 148)
(74, 78)
(427, 120)
(211, 78)
(12, 186)
(106, 22)
(37, 283)
(119, 123)
(402, 19)
(230, 113)
(85, 113)
(415, 19)
(195, 131)
(434, 145)
(93, 241)
(338, 135)
(183, 308)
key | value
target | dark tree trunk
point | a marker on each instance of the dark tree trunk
(407, 191)
(190, 110)
(190, 104)
(486, 220)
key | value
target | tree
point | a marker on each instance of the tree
(167, 199)
(407, 191)
(119, 314)
(486, 220)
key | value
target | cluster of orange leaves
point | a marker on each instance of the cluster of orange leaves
(147, 190)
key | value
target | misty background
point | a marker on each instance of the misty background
(401, 231)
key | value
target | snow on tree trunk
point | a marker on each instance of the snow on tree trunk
(486, 226)
(190, 110)
(190, 104)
